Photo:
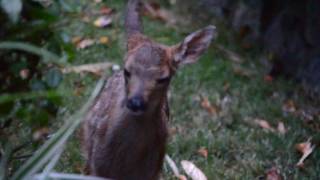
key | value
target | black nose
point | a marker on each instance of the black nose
(136, 104)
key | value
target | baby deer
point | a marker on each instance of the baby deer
(125, 131)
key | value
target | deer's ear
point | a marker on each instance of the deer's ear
(193, 46)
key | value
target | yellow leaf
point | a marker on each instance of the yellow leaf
(104, 40)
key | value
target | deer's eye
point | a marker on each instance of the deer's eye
(163, 80)
(127, 74)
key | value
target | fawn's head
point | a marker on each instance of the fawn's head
(149, 66)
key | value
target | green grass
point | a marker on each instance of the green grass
(237, 148)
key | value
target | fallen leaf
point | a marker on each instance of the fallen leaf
(268, 78)
(241, 71)
(203, 152)
(103, 21)
(40, 134)
(75, 40)
(192, 171)
(85, 43)
(273, 174)
(182, 177)
(289, 106)
(96, 68)
(105, 10)
(281, 128)
(173, 131)
(211, 109)
(104, 40)
(305, 149)
(264, 124)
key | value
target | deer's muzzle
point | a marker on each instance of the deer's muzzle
(136, 104)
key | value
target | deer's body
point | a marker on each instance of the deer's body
(121, 144)
(125, 131)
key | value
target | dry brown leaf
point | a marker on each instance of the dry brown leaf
(268, 78)
(41, 133)
(264, 124)
(289, 106)
(96, 68)
(182, 177)
(192, 171)
(273, 174)
(211, 109)
(173, 131)
(75, 40)
(85, 43)
(203, 152)
(105, 10)
(103, 21)
(305, 148)
(241, 71)
(281, 128)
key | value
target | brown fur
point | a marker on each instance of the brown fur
(122, 144)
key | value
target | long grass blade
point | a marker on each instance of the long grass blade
(47, 151)
(63, 176)
(4, 98)
(51, 165)
(48, 57)
(4, 161)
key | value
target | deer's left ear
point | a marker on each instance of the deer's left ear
(193, 46)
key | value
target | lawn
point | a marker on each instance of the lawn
(236, 146)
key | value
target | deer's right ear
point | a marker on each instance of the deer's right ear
(193, 46)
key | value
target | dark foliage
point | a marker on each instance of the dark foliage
(287, 30)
